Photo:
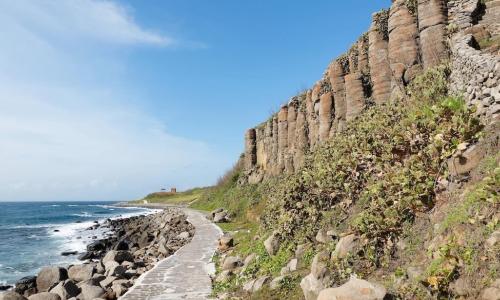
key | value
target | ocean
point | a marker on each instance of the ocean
(33, 234)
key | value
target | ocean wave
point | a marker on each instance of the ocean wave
(28, 226)
(101, 206)
(83, 215)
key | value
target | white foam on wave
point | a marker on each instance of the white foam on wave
(34, 226)
(76, 237)
(84, 214)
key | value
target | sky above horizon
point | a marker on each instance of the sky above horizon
(110, 100)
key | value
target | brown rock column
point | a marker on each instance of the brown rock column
(355, 97)
(403, 48)
(325, 115)
(263, 160)
(250, 149)
(302, 140)
(378, 53)
(336, 76)
(274, 147)
(432, 19)
(312, 114)
(282, 136)
(260, 141)
(291, 120)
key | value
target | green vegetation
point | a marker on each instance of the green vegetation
(378, 173)
(179, 198)
(412, 6)
(466, 227)
(373, 180)
(489, 42)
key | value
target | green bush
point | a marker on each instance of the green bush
(380, 171)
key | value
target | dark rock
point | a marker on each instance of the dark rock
(68, 253)
(26, 286)
(66, 290)
(5, 287)
(86, 255)
(122, 245)
(96, 246)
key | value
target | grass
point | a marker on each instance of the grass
(179, 198)
(489, 42)
(481, 195)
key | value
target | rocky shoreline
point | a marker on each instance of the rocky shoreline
(111, 265)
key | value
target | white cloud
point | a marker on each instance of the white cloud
(66, 131)
(98, 20)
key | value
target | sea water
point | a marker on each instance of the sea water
(34, 234)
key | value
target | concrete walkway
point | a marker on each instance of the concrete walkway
(184, 275)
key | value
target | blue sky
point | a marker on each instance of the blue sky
(109, 100)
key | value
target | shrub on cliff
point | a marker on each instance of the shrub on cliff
(376, 175)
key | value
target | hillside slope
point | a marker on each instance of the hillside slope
(382, 180)
(377, 201)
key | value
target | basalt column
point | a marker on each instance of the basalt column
(274, 147)
(354, 91)
(302, 140)
(325, 114)
(354, 95)
(260, 146)
(292, 121)
(313, 114)
(282, 137)
(403, 48)
(336, 75)
(378, 58)
(432, 19)
(250, 149)
(265, 161)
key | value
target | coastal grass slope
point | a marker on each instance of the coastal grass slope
(380, 201)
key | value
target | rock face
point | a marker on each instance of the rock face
(400, 43)
(354, 93)
(250, 149)
(378, 53)
(336, 73)
(432, 21)
(403, 48)
(354, 289)
(325, 115)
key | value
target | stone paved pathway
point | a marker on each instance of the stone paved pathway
(184, 275)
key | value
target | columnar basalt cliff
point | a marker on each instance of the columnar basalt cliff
(409, 37)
